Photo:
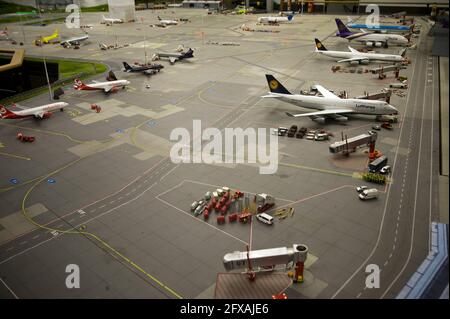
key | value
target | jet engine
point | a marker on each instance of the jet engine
(365, 61)
(318, 119)
(378, 44)
(369, 44)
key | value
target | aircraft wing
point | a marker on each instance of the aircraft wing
(172, 59)
(324, 112)
(353, 50)
(107, 89)
(353, 59)
(325, 92)
(39, 114)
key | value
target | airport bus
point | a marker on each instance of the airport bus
(377, 164)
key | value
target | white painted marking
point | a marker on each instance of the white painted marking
(9, 289)
(35, 237)
(23, 242)
(101, 206)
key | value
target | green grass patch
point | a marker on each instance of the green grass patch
(67, 70)
(6, 7)
(100, 8)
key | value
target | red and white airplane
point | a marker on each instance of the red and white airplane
(107, 87)
(38, 112)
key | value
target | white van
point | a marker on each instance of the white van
(265, 218)
(369, 194)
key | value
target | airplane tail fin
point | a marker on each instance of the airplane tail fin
(189, 53)
(320, 46)
(79, 85)
(126, 66)
(5, 113)
(56, 34)
(290, 17)
(275, 86)
(343, 31)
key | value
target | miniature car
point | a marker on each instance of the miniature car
(208, 196)
(385, 169)
(362, 188)
(282, 131)
(376, 127)
(369, 194)
(199, 208)
(299, 134)
(265, 218)
(387, 125)
(194, 205)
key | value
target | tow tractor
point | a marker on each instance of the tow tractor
(264, 202)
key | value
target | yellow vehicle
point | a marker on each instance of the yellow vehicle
(45, 40)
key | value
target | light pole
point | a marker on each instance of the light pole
(46, 74)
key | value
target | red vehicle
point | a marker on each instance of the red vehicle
(232, 217)
(25, 138)
(387, 125)
(224, 209)
(220, 219)
(206, 214)
(238, 194)
(244, 217)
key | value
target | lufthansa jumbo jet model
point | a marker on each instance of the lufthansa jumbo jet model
(148, 69)
(74, 41)
(106, 87)
(327, 105)
(368, 38)
(173, 57)
(38, 112)
(356, 57)
(275, 20)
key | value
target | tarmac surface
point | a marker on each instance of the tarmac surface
(99, 190)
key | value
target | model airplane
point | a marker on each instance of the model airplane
(275, 20)
(356, 57)
(74, 41)
(106, 20)
(38, 112)
(369, 39)
(379, 27)
(106, 87)
(173, 57)
(4, 34)
(167, 22)
(328, 105)
(148, 69)
(49, 38)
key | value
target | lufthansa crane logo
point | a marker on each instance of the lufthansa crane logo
(319, 45)
(273, 84)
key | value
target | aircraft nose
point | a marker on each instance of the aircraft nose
(394, 110)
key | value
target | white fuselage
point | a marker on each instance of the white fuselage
(40, 111)
(359, 106)
(168, 22)
(273, 19)
(112, 20)
(75, 40)
(362, 56)
(378, 38)
(105, 85)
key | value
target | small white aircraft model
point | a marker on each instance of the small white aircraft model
(275, 20)
(38, 112)
(106, 87)
(167, 22)
(106, 20)
(173, 57)
(74, 41)
(328, 105)
(356, 57)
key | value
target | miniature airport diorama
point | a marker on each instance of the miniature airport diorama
(107, 170)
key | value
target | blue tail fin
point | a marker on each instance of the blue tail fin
(275, 86)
